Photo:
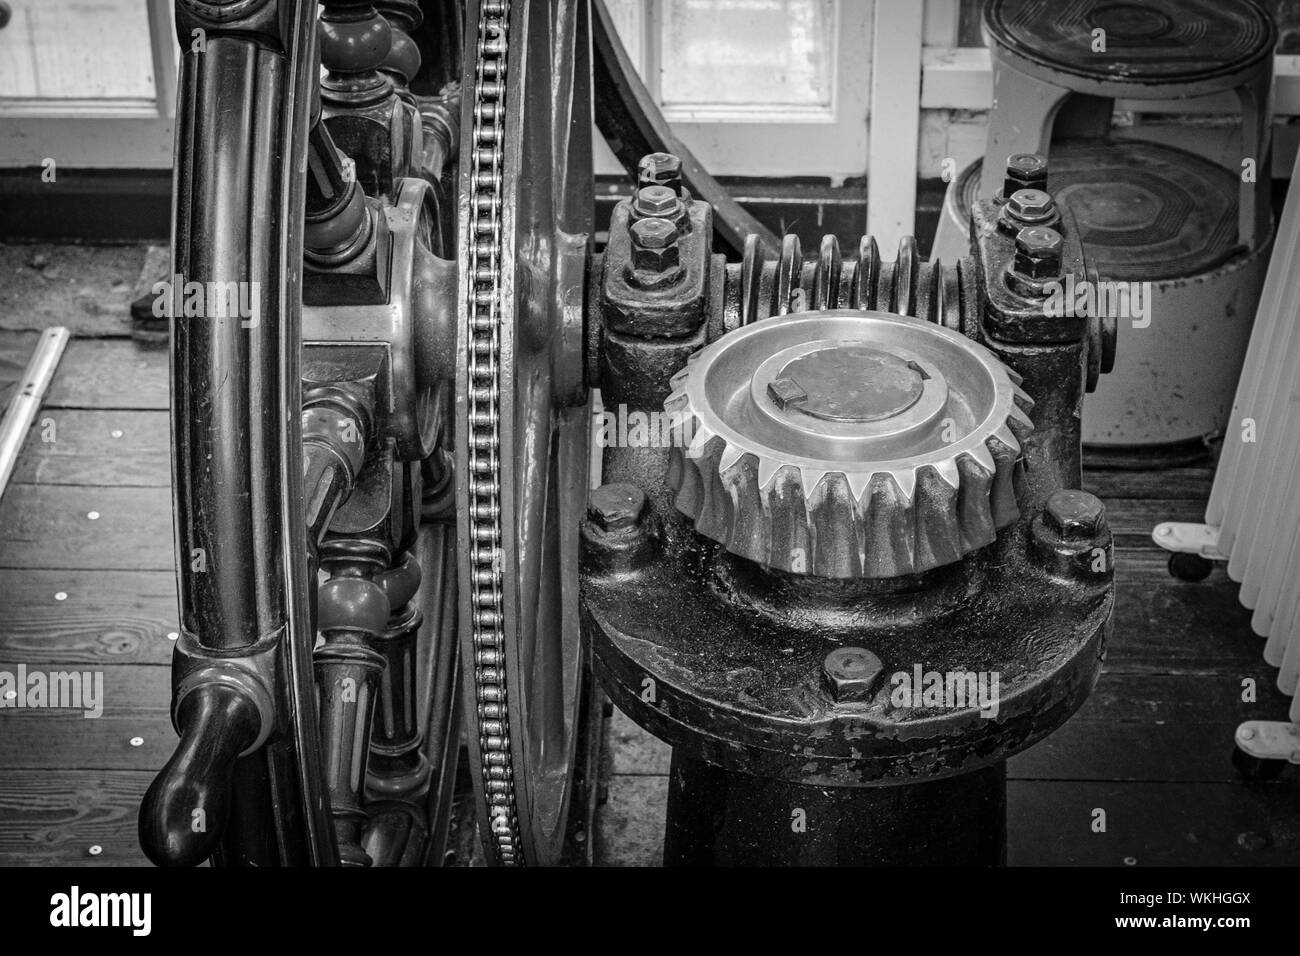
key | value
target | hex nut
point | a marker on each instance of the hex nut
(849, 674)
(1027, 207)
(616, 507)
(654, 246)
(660, 169)
(1025, 171)
(658, 201)
(1074, 514)
(1038, 252)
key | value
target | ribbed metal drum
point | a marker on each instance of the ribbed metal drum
(1157, 41)
(1166, 219)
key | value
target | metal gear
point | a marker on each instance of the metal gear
(847, 444)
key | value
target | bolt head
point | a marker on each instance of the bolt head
(655, 201)
(1031, 205)
(1025, 171)
(616, 507)
(849, 673)
(660, 169)
(1038, 252)
(654, 245)
(1074, 514)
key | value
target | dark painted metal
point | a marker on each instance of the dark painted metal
(244, 102)
(716, 818)
(782, 752)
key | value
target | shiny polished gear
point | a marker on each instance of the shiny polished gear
(847, 444)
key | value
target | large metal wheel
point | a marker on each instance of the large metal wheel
(522, 415)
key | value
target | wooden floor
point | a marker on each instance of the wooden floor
(1151, 747)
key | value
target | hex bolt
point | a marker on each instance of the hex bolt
(1031, 207)
(654, 246)
(785, 392)
(616, 507)
(849, 674)
(1038, 252)
(660, 169)
(1025, 171)
(1074, 515)
(658, 201)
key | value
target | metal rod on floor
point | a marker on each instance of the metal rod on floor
(26, 401)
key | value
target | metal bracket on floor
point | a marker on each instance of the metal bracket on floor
(1193, 548)
(27, 398)
(1184, 537)
(1270, 740)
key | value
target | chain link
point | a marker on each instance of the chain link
(484, 433)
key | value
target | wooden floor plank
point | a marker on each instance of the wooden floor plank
(104, 617)
(54, 817)
(134, 702)
(1153, 728)
(111, 447)
(87, 289)
(1131, 519)
(51, 527)
(1165, 483)
(1167, 626)
(1049, 823)
(110, 373)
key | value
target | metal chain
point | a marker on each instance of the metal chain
(484, 432)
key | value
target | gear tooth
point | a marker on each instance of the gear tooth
(905, 480)
(685, 477)
(811, 478)
(1016, 377)
(1020, 424)
(1006, 436)
(715, 513)
(749, 531)
(767, 469)
(1003, 496)
(887, 526)
(682, 425)
(700, 439)
(938, 533)
(984, 458)
(974, 503)
(948, 471)
(1021, 398)
(729, 456)
(836, 552)
(790, 537)
(677, 401)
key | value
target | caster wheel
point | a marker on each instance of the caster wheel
(1190, 567)
(1253, 768)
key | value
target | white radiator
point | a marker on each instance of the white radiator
(1253, 517)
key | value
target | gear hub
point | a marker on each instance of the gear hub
(847, 444)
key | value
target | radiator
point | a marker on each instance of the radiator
(1252, 520)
